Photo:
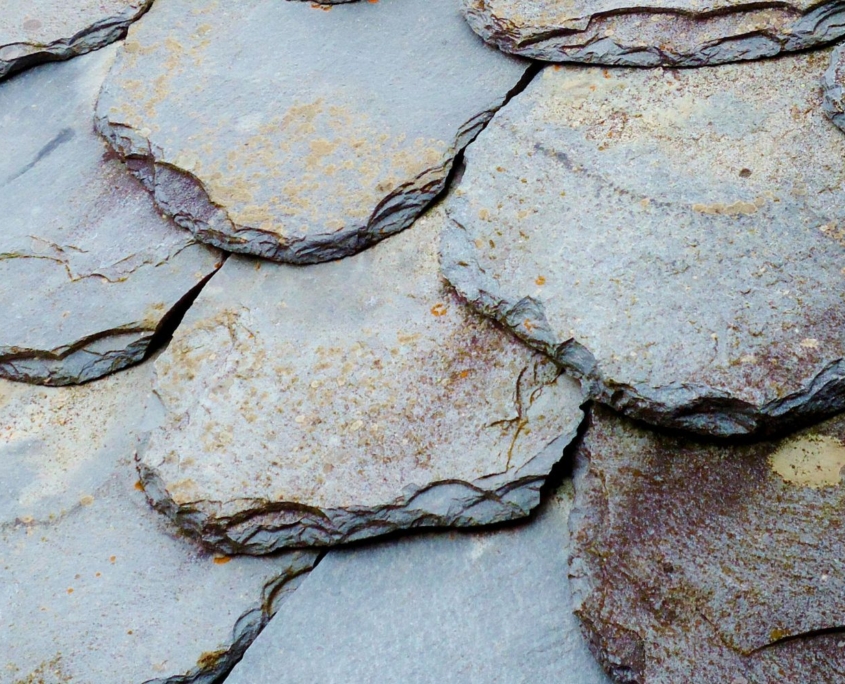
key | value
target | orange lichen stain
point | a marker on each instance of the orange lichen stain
(528, 325)
(139, 486)
(210, 659)
(112, 559)
(541, 280)
(70, 590)
(778, 634)
(222, 560)
(439, 309)
(464, 374)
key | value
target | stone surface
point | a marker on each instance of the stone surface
(88, 268)
(654, 32)
(34, 31)
(674, 237)
(295, 132)
(832, 81)
(92, 581)
(455, 607)
(711, 563)
(311, 406)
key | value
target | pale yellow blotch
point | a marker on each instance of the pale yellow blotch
(738, 208)
(813, 461)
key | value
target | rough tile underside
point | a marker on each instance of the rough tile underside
(88, 268)
(694, 562)
(287, 131)
(342, 401)
(654, 32)
(459, 607)
(92, 581)
(672, 236)
(34, 31)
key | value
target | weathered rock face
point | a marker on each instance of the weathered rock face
(294, 133)
(674, 237)
(342, 401)
(653, 32)
(88, 268)
(832, 81)
(477, 608)
(37, 31)
(694, 562)
(93, 582)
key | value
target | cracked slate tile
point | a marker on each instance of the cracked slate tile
(648, 33)
(313, 406)
(473, 608)
(290, 132)
(92, 581)
(88, 268)
(673, 237)
(35, 31)
(710, 563)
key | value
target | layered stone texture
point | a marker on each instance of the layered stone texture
(649, 33)
(700, 562)
(483, 607)
(92, 581)
(89, 270)
(35, 31)
(672, 237)
(296, 132)
(311, 406)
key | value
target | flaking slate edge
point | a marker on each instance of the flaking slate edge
(37, 31)
(672, 33)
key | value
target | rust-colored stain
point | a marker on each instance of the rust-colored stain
(439, 309)
(541, 280)
(222, 560)
(139, 486)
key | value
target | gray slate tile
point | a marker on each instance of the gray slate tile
(481, 608)
(695, 562)
(35, 31)
(297, 132)
(88, 268)
(94, 585)
(312, 406)
(654, 32)
(674, 237)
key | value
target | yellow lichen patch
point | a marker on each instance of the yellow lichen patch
(738, 208)
(812, 461)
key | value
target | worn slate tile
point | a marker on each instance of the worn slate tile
(489, 607)
(312, 406)
(653, 32)
(673, 237)
(295, 132)
(711, 563)
(34, 31)
(88, 268)
(94, 585)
